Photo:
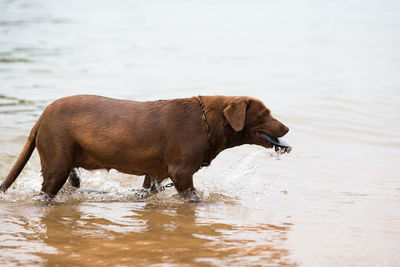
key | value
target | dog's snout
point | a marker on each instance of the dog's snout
(282, 130)
(285, 129)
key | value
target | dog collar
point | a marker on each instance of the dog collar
(207, 156)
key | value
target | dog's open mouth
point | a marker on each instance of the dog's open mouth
(271, 141)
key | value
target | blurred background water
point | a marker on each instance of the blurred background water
(327, 69)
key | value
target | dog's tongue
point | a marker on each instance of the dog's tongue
(278, 143)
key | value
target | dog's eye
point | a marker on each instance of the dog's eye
(266, 113)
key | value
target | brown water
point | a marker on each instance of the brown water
(330, 71)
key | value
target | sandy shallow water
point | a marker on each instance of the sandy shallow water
(330, 71)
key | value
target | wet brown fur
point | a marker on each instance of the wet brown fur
(159, 139)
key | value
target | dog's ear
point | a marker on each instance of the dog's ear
(235, 114)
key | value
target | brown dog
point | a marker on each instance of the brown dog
(159, 139)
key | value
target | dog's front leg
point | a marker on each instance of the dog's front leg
(148, 188)
(184, 185)
(149, 184)
(153, 186)
(74, 178)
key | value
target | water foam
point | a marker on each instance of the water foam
(244, 177)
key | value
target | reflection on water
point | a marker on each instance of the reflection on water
(328, 69)
(141, 233)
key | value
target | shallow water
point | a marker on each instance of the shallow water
(330, 71)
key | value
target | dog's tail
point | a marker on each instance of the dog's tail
(22, 159)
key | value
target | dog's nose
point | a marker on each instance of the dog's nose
(285, 130)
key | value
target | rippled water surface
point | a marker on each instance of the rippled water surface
(329, 70)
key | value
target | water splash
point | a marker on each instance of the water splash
(242, 178)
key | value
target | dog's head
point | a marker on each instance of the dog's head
(249, 118)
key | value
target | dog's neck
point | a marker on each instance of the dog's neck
(221, 135)
(208, 154)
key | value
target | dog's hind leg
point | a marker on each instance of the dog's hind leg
(54, 179)
(74, 178)
(56, 168)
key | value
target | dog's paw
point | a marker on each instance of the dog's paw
(191, 195)
(42, 199)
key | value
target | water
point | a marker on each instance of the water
(328, 70)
